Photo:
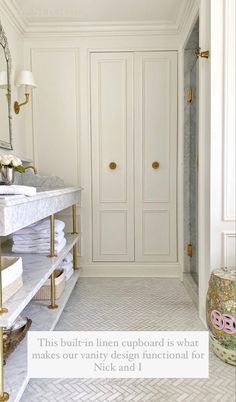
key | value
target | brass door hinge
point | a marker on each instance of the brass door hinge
(202, 53)
(189, 95)
(190, 250)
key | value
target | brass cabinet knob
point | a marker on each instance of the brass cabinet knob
(155, 165)
(112, 165)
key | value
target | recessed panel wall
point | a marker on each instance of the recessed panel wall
(112, 156)
(155, 156)
(55, 104)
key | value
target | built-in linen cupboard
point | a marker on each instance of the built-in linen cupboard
(134, 156)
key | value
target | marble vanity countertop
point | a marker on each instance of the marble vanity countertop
(10, 200)
(18, 211)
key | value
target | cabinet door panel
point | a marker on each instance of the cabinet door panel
(112, 141)
(155, 141)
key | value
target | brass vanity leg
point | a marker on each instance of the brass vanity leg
(53, 304)
(2, 309)
(52, 236)
(75, 247)
(3, 395)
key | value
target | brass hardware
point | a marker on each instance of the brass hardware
(18, 105)
(189, 95)
(200, 53)
(52, 236)
(155, 165)
(190, 250)
(3, 395)
(112, 165)
(31, 167)
(53, 304)
(3, 310)
(75, 247)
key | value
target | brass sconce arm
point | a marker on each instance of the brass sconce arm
(18, 105)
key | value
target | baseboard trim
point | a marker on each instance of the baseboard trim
(131, 270)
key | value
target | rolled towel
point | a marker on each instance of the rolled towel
(68, 258)
(68, 269)
(16, 190)
(38, 249)
(69, 274)
(42, 227)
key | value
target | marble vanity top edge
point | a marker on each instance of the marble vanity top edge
(21, 199)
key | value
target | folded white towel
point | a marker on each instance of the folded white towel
(43, 227)
(67, 266)
(68, 258)
(68, 269)
(38, 249)
(29, 240)
(15, 189)
(69, 274)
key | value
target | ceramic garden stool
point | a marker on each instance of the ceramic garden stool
(221, 313)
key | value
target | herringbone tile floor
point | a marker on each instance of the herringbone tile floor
(133, 304)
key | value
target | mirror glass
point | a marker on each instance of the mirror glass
(5, 92)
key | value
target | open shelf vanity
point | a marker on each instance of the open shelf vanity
(17, 212)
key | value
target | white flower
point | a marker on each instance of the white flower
(6, 160)
(16, 161)
(9, 159)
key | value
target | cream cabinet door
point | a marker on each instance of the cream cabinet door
(112, 156)
(155, 156)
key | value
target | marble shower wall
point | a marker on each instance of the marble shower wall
(190, 126)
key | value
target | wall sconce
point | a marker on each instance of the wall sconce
(24, 78)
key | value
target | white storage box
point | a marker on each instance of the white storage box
(45, 292)
(12, 269)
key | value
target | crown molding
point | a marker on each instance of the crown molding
(101, 29)
(188, 19)
(57, 28)
(11, 10)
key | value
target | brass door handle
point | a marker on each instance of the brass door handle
(155, 165)
(112, 165)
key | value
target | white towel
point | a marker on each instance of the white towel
(68, 269)
(41, 249)
(69, 274)
(37, 240)
(68, 258)
(15, 189)
(43, 227)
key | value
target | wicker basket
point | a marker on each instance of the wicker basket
(45, 292)
(12, 339)
(11, 276)
(11, 289)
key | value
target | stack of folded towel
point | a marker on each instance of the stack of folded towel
(67, 266)
(35, 239)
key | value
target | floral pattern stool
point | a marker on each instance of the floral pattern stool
(221, 313)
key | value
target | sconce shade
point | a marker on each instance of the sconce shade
(3, 79)
(25, 77)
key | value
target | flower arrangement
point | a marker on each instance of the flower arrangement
(13, 162)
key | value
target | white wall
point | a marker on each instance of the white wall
(223, 146)
(58, 132)
(16, 46)
(217, 151)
